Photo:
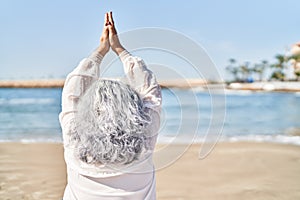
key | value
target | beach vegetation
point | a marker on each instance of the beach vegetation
(249, 72)
(278, 68)
(295, 60)
(246, 71)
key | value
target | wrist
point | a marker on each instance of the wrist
(102, 51)
(118, 50)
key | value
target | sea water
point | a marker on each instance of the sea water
(31, 115)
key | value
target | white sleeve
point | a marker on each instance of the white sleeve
(142, 80)
(77, 82)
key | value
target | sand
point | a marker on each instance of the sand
(232, 171)
(31, 171)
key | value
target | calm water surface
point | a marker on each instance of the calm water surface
(32, 115)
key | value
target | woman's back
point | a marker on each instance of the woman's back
(110, 129)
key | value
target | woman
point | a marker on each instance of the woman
(109, 127)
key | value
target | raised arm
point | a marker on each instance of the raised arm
(139, 76)
(142, 80)
(79, 80)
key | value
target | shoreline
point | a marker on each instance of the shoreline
(180, 84)
(241, 170)
(293, 138)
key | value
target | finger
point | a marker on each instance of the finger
(105, 31)
(111, 20)
(112, 28)
(106, 20)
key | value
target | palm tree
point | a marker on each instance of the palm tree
(245, 70)
(278, 75)
(279, 67)
(296, 62)
(233, 69)
(297, 74)
(260, 68)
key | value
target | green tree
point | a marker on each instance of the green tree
(233, 69)
(297, 74)
(245, 70)
(278, 75)
(260, 69)
(279, 67)
(295, 59)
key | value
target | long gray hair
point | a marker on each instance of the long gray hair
(111, 124)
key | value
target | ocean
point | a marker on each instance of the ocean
(31, 115)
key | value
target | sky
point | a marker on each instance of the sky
(47, 39)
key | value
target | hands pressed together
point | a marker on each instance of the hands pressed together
(109, 38)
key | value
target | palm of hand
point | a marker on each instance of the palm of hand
(104, 41)
(109, 37)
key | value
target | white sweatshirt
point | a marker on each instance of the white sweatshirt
(89, 182)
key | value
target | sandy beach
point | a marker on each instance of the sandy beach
(232, 171)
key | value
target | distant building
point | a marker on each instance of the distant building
(295, 51)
